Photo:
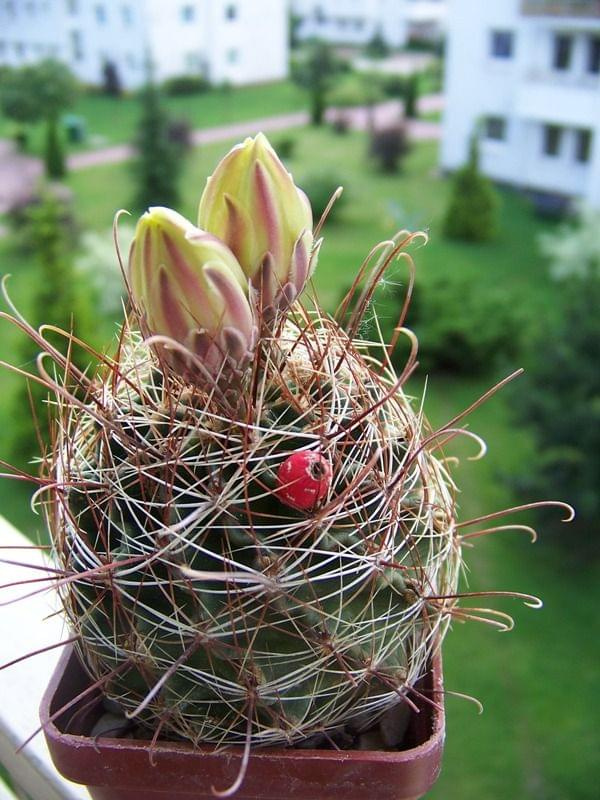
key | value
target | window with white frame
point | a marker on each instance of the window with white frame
(583, 145)
(552, 140)
(593, 55)
(562, 52)
(502, 44)
(126, 15)
(495, 128)
(100, 12)
(188, 13)
(231, 11)
(76, 45)
(233, 55)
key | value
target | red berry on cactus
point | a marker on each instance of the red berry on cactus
(303, 479)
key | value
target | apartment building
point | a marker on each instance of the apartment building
(240, 42)
(355, 22)
(526, 75)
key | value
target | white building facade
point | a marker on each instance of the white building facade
(525, 74)
(355, 22)
(238, 42)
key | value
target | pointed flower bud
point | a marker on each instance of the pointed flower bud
(189, 287)
(253, 205)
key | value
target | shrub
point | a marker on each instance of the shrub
(111, 80)
(459, 331)
(389, 146)
(393, 85)
(285, 146)
(54, 157)
(158, 163)
(182, 85)
(561, 397)
(320, 186)
(179, 133)
(473, 209)
(411, 95)
(58, 299)
(377, 47)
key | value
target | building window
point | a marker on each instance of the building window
(233, 55)
(583, 145)
(231, 11)
(20, 49)
(76, 45)
(319, 15)
(552, 140)
(502, 44)
(72, 6)
(593, 55)
(495, 128)
(100, 12)
(188, 13)
(126, 15)
(563, 49)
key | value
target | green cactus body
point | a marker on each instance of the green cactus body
(207, 605)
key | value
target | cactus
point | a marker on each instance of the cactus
(257, 541)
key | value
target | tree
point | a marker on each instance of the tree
(473, 209)
(316, 73)
(411, 95)
(377, 47)
(389, 146)
(560, 398)
(40, 92)
(58, 300)
(159, 160)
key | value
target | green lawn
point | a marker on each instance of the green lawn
(535, 740)
(112, 121)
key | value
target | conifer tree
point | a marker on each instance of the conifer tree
(158, 164)
(473, 209)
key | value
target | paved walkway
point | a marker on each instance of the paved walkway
(384, 114)
(19, 174)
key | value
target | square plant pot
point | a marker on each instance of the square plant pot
(130, 769)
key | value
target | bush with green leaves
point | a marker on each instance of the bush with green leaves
(461, 331)
(472, 213)
(560, 398)
(389, 146)
(320, 188)
(377, 47)
(184, 85)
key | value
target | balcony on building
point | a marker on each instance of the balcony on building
(561, 8)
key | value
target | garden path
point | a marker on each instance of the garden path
(19, 173)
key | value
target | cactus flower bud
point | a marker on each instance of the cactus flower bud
(189, 287)
(253, 205)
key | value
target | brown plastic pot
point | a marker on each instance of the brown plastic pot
(126, 769)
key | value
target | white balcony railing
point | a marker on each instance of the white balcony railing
(25, 626)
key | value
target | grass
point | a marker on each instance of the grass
(111, 121)
(535, 740)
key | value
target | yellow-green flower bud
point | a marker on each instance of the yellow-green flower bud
(189, 287)
(253, 205)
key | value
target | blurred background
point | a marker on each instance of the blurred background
(478, 122)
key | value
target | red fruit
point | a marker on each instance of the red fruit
(303, 479)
